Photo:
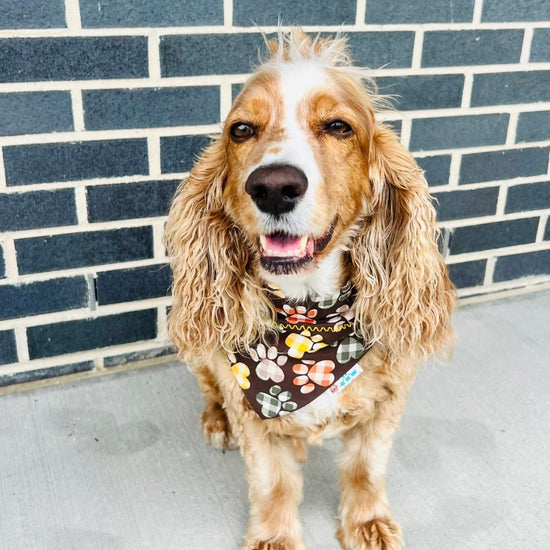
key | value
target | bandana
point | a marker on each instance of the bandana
(316, 350)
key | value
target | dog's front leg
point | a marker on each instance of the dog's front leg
(275, 491)
(366, 521)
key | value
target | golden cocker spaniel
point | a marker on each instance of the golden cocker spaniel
(307, 286)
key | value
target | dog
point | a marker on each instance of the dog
(307, 286)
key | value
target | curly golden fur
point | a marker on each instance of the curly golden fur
(385, 239)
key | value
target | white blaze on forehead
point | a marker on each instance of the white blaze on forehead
(297, 82)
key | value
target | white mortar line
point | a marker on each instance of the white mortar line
(72, 13)
(10, 259)
(81, 206)
(85, 313)
(228, 14)
(489, 271)
(512, 128)
(493, 218)
(508, 251)
(162, 323)
(501, 202)
(2, 171)
(153, 50)
(478, 9)
(526, 46)
(226, 99)
(541, 228)
(467, 91)
(406, 127)
(416, 61)
(469, 186)
(21, 344)
(153, 153)
(159, 252)
(504, 289)
(360, 13)
(78, 110)
(454, 170)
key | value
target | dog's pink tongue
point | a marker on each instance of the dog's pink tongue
(283, 245)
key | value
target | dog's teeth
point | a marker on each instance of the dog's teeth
(263, 242)
(303, 244)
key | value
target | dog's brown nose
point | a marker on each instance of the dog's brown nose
(276, 188)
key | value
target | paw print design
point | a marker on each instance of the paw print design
(298, 344)
(298, 314)
(241, 372)
(276, 402)
(311, 373)
(344, 314)
(269, 363)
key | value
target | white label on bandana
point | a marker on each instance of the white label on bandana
(347, 379)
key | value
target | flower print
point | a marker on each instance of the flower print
(276, 402)
(269, 363)
(298, 314)
(311, 373)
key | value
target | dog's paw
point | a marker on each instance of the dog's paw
(377, 534)
(216, 429)
(270, 545)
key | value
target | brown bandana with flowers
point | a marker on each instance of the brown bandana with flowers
(315, 351)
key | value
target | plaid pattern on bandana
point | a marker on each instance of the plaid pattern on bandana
(315, 350)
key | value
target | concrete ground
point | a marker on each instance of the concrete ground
(117, 462)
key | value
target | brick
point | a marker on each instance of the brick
(456, 205)
(123, 359)
(522, 265)
(127, 285)
(390, 12)
(32, 14)
(187, 55)
(509, 88)
(42, 297)
(503, 165)
(35, 113)
(147, 13)
(179, 153)
(468, 274)
(533, 126)
(479, 47)
(151, 107)
(529, 196)
(53, 162)
(382, 49)
(126, 201)
(395, 125)
(436, 169)
(73, 336)
(515, 10)
(458, 131)
(547, 230)
(421, 92)
(8, 349)
(42, 374)
(493, 235)
(38, 254)
(314, 12)
(20, 211)
(75, 58)
(2, 264)
(540, 47)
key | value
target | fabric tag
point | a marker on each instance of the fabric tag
(347, 379)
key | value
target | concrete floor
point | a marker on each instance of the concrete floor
(118, 463)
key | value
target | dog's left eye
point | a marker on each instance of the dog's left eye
(338, 128)
(241, 131)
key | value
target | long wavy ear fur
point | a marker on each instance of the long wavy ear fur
(216, 304)
(405, 296)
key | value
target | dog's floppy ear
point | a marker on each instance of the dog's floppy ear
(405, 296)
(209, 261)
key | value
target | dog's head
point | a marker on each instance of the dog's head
(303, 171)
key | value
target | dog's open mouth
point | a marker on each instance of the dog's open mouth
(282, 254)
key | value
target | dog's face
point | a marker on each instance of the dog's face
(297, 150)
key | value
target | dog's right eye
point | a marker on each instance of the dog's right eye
(241, 131)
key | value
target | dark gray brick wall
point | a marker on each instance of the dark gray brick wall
(32, 14)
(145, 13)
(436, 169)
(20, 211)
(391, 12)
(35, 113)
(468, 274)
(38, 254)
(480, 47)
(2, 264)
(81, 58)
(533, 126)
(540, 47)
(56, 162)
(72, 336)
(148, 108)
(515, 10)
(382, 49)
(314, 12)
(533, 196)
(456, 205)
(8, 350)
(522, 265)
(42, 374)
(179, 153)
